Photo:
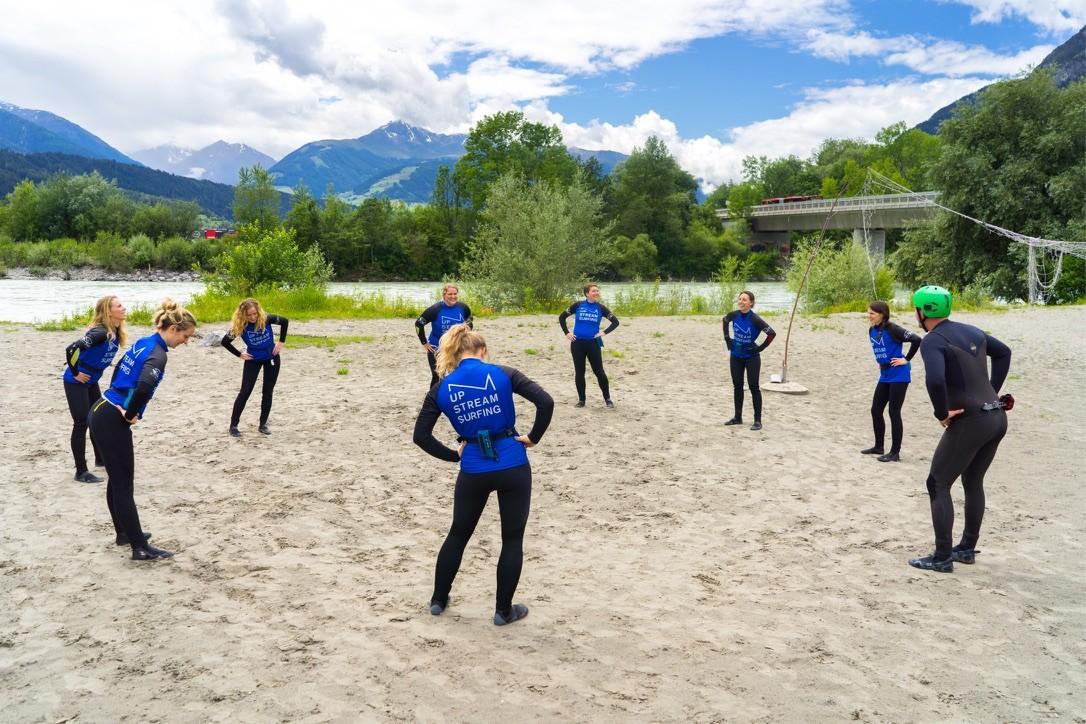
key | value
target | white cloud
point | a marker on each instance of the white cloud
(1055, 16)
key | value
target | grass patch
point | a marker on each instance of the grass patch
(342, 371)
(531, 351)
(657, 334)
(307, 303)
(614, 353)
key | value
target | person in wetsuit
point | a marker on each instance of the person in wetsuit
(887, 340)
(964, 400)
(441, 317)
(87, 358)
(746, 326)
(253, 326)
(586, 340)
(135, 379)
(477, 398)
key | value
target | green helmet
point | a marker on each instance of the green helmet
(933, 301)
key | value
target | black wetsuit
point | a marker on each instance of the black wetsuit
(481, 399)
(746, 356)
(956, 370)
(262, 359)
(587, 319)
(440, 317)
(91, 354)
(887, 340)
(135, 379)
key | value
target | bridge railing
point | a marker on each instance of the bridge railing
(921, 199)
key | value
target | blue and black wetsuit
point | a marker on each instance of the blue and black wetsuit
(91, 354)
(440, 317)
(259, 343)
(477, 398)
(746, 356)
(956, 371)
(887, 341)
(587, 318)
(135, 379)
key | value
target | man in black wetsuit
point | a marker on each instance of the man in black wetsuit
(966, 404)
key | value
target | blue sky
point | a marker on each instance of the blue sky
(715, 79)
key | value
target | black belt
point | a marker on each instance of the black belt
(493, 436)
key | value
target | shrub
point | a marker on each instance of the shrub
(141, 251)
(173, 253)
(841, 280)
(110, 251)
(268, 260)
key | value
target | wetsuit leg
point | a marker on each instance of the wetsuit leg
(78, 405)
(896, 398)
(432, 361)
(754, 371)
(249, 370)
(271, 374)
(469, 499)
(738, 364)
(878, 404)
(514, 503)
(973, 483)
(114, 437)
(580, 352)
(595, 358)
(95, 394)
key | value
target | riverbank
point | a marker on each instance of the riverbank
(676, 569)
(101, 274)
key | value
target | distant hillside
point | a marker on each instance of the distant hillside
(404, 141)
(213, 198)
(608, 159)
(31, 131)
(1068, 62)
(219, 162)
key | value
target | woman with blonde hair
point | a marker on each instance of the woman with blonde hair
(253, 325)
(441, 317)
(477, 398)
(135, 380)
(87, 358)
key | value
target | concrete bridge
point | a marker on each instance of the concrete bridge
(772, 224)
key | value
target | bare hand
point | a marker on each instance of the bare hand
(246, 356)
(460, 450)
(276, 349)
(898, 361)
(82, 377)
(599, 334)
(527, 441)
(945, 422)
(570, 336)
(427, 347)
(124, 412)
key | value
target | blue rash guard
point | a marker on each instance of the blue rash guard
(587, 318)
(478, 396)
(886, 342)
(259, 343)
(441, 317)
(90, 354)
(745, 329)
(138, 375)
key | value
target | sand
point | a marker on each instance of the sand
(676, 569)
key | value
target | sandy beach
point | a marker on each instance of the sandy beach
(676, 569)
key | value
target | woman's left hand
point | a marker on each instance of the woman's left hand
(898, 361)
(460, 450)
(527, 441)
(276, 349)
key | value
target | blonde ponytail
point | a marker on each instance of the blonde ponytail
(458, 341)
(172, 314)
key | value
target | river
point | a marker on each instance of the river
(40, 300)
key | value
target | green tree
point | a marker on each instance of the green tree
(507, 142)
(267, 258)
(634, 258)
(538, 242)
(67, 205)
(22, 212)
(304, 217)
(256, 200)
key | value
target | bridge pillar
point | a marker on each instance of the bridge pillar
(874, 244)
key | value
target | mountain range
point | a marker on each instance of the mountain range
(25, 130)
(1067, 64)
(219, 162)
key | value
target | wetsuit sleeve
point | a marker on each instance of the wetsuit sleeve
(609, 316)
(571, 310)
(727, 337)
(900, 334)
(932, 352)
(93, 337)
(283, 322)
(424, 430)
(150, 375)
(1001, 361)
(766, 330)
(425, 318)
(228, 342)
(531, 391)
(468, 319)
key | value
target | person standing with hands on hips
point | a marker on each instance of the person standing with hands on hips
(441, 317)
(253, 326)
(895, 375)
(746, 326)
(964, 400)
(586, 340)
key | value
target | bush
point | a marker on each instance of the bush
(840, 280)
(173, 253)
(267, 260)
(109, 251)
(141, 251)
